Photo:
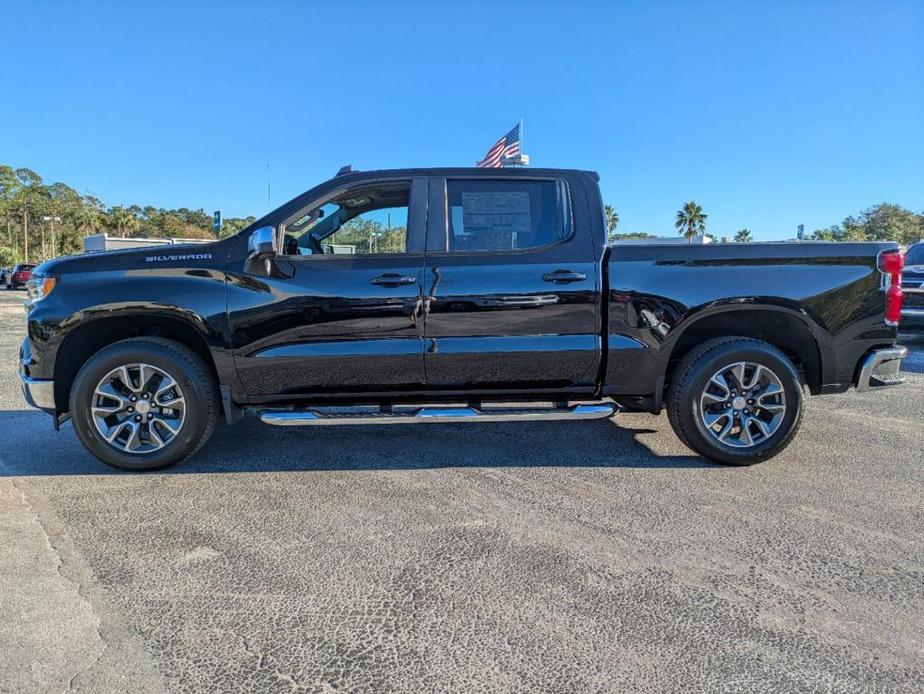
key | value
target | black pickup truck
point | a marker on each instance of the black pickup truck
(453, 295)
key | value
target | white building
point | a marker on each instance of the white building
(98, 243)
(664, 240)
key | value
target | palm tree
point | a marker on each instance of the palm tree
(743, 236)
(122, 220)
(87, 219)
(612, 219)
(691, 220)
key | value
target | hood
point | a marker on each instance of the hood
(179, 255)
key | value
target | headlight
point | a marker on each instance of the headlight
(39, 287)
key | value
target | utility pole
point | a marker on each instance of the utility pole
(54, 246)
(25, 234)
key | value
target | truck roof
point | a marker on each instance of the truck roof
(347, 172)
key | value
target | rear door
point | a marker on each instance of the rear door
(511, 286)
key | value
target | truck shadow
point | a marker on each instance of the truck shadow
(31, 447)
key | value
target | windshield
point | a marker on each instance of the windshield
(915, 255)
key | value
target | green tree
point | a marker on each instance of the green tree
(8, 256)
(611, 217)
(231, 225)
(90, 217)
(121, 221)
(743, 236)
(888, 222)
(882, 222)
(29, 205)
(9, 185)
(9, 193)
(29, 179)
(691, 220)
(614, 238)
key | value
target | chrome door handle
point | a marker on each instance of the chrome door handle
(564, 276)
(392, 279)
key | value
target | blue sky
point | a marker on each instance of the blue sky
(769, 114)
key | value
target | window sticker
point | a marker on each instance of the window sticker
(498, 212)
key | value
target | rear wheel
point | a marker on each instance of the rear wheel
(144, 403)
(735, 400)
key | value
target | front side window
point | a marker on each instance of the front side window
(359, 222)
(495, 215)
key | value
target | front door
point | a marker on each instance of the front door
(341, 314)
(512, 295)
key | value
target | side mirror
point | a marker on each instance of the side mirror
(262, 243)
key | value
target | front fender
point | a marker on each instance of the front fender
(91, 311)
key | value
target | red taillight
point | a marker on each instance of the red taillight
(893, 312)
(892, 263)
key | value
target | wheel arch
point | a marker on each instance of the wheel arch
(90, 336)
(787, 330)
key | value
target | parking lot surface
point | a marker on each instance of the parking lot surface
(596, 555)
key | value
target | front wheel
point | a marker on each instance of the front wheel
(144, 403)
(735, 400)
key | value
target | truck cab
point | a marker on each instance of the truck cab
(404, 282)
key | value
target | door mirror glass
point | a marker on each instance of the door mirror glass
(262, 243)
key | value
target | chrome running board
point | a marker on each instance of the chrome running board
(433, 415)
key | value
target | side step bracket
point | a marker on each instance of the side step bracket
(433, 415)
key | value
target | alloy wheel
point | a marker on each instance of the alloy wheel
(138, 408)
(743, 404)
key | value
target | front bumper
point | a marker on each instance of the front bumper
(39, 392)
(881, 368)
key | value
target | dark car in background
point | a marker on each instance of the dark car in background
(19, 275)
(912, 320)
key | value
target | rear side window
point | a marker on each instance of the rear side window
(493, 215)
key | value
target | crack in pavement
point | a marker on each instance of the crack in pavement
(57, 624)
(59, 566)
(263, 658)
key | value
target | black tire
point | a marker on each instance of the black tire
(182, 364)
(690, 378)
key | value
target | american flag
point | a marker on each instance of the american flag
(505, 148)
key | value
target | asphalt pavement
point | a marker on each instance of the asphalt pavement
(584, 556)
